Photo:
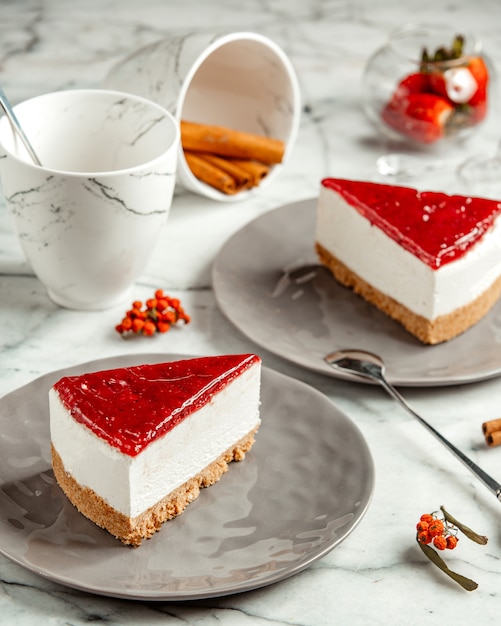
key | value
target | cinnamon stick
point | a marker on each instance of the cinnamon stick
(492, 432)
(243, 179)
(256, 171)
(231, 143)
(493, 439)
(491, 426)
(211, 174)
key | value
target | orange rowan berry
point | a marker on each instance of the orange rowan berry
(424, 536)
(163, 327)
(149, 328)
(452, 542)
(440, 542)
(170, 316)
(159, 293)
(436, 528)
(137, 325)
(426, 517)
(162, 304)
(422, 526)
(151, 303)
(137, 304)
(126, 323)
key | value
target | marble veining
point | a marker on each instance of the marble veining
(377, 575)
(99, 188)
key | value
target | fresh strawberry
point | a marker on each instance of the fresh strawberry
(478, 111)
(447, 95)
(413, 83)
(436, 81)
(480, 73)
(463, 84)
(460, 84)
(478, 102)
(422, 116)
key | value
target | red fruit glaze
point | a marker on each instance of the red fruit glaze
(435, 227)
(130, 407)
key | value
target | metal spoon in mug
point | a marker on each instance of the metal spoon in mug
(9, 112)
(368, 365)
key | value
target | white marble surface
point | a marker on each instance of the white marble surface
(378, 574)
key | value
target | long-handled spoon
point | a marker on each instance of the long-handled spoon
(9, 112)
(368, 365)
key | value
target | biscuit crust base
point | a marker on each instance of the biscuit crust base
(131, 531)
(431, 332)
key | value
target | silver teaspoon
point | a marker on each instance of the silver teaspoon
(9, 112)
(368, 365)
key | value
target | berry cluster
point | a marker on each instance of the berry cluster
(157, 315)
(432, 529)
(440, 529)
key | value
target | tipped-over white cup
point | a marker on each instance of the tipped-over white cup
(89, 217)
(238, 80)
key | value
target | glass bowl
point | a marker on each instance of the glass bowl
(428, 84)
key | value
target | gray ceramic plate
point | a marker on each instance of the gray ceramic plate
(265, 284)
(261, 523)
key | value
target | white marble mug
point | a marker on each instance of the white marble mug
(239, 80)
(89, 217)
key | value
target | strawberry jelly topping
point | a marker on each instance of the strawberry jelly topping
(130, 407)
(435, 227)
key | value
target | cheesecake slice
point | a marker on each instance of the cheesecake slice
(131, 447)
(429, 260)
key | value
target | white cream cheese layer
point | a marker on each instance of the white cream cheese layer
(133, 484)
(380, 261)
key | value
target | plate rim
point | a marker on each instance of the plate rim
(403, 381)
(243, 586)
